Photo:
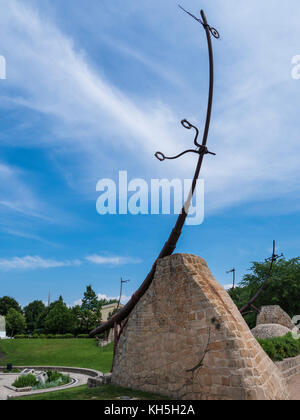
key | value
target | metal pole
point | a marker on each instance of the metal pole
(233, 271)
(272, 261)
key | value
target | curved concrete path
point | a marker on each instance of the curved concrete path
(8, 379)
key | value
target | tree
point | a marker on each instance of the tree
(104, 302)
(35, 314)
(60, 319)
(15, 322)
(6, 303)
(90, 311)
(283, 287)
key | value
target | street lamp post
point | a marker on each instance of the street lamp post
(233, 271)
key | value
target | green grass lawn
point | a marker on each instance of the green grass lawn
(73, 353)
(107, 392)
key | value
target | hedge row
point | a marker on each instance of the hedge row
(50, 336)
(281, 348)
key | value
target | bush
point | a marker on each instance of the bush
(55, 379)
(68, 336)
(281, 348)
(83, 336)
(20, 337)
(42, 336)
(25, 381)
(35, 336)
(50, 336)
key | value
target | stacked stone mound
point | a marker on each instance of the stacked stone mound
(274, 315)
(264, 331)
(187, 340)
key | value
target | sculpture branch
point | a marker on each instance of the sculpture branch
(172, 241)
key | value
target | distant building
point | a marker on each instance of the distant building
(2, 328)
(107, 309)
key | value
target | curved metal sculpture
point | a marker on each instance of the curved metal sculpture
(250, 305)
(171, 243)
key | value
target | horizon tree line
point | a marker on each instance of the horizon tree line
(57, 318)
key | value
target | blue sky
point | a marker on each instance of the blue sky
(96, 87)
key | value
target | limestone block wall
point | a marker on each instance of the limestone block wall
(186, 339)
(274, 315)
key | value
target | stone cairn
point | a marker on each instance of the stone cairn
(272, 322)
(186, 339)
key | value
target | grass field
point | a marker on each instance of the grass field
(83, 393)
(74, 353)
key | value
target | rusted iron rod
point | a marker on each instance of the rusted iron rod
(172, 241)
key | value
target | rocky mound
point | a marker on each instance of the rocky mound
(269, 331)
(274, 315)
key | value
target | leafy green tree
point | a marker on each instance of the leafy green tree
(15, 322)
(283, 287)
(90, 311)
(76, 310)
(60, 319)
(6, 303)
(35, 314)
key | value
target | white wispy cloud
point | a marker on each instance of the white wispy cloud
(34, 262)
(124, 298)
(63, 84)
(227, 286)
(115, 260)
(15, 194)
(254, 130)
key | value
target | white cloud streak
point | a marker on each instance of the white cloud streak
(256, 99)
(34, 263)
(15, 194)
(115, 260)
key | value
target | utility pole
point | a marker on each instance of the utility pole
(121, 290)
(233, 271)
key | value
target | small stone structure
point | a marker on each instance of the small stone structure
(108, 309)
(186, 339)
(274, 315)
(2, 328)
(264, 331)
(104, 379)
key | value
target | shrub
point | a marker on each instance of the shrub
(20, 337)
(68, 336)
(281, 348)
(55, 379)
(25, 381)
(42, 336)
(35, 336)
(50, 336)
(83, 336)
(54, 376)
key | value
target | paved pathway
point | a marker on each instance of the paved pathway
(7, 380)
(294, 388)
(293, 385)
